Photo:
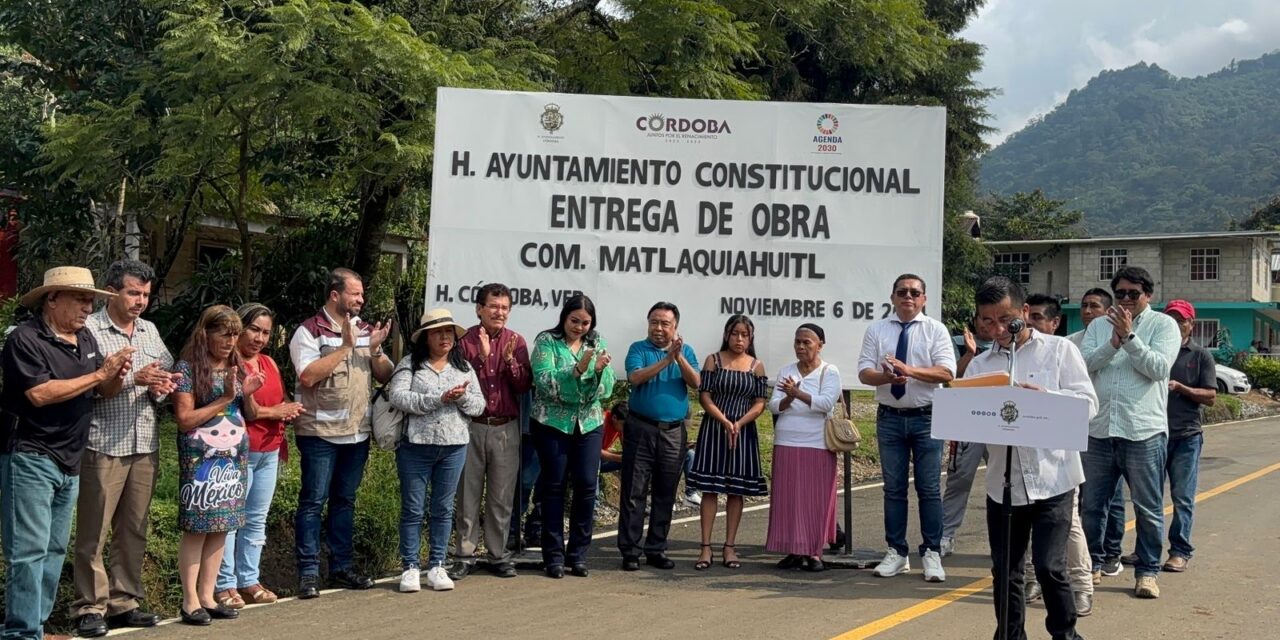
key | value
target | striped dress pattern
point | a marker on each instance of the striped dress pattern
(716, 467)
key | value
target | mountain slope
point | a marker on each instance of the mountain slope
(1140, 151)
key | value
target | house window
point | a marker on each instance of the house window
(1205, 333)
(1015, 266)
(1110, 261)
(210, 254)
(1204, 264)
(1275, 267)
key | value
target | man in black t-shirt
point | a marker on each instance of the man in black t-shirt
(1192, 384)
(52, 368)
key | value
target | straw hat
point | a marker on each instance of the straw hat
(435, 319)
(63, 279)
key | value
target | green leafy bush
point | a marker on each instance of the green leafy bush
(1264, 373)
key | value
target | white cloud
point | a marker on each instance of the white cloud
(1037, 52)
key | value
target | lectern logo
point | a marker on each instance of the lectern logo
(1009, 412)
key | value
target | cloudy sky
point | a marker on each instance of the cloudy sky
(1039, 50)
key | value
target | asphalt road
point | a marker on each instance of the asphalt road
(1229, 591)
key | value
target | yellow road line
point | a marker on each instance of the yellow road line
(890, 621)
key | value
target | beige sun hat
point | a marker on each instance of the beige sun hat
(63, 279)
(435, 319)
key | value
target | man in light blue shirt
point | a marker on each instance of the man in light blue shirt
(1129, 358)
(661, 373)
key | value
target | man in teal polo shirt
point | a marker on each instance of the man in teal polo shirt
(653, 441)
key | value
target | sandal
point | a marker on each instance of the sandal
(703, 565)
(257, 594)
(229, 599)
(731, 564)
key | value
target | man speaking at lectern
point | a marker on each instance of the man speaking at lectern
(1044, 481)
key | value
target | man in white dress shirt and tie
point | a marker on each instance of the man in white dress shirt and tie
(1044, 481)
(906, 356)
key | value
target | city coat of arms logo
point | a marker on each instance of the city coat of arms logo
(551, 119)
(1009, 412)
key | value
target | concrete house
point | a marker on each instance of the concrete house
(1232, 277)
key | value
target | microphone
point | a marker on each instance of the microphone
(1015, 327)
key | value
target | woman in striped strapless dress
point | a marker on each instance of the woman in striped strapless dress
(727, 457)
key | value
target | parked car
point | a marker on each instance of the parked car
(1232, 380)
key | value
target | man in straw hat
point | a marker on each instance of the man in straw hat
(121, 461)
(52, 367)
(337, 356)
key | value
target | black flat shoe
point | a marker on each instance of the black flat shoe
(133, 618)
(91, 625)
(222, 613)
(199, 617)
(660, 561)
(461, 570)
(308, 587)
(555, 571)
(579, 569)
(348, 579)
(630, 563)
(504, 570)
(792, 561)
(814, 565)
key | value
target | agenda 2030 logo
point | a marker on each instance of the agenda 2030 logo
(827, 139)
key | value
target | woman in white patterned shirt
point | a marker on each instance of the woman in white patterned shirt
(436, 386)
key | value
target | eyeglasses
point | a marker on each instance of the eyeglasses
(1127, 294)
(914, 293)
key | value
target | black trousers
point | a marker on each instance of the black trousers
(1046, 523)
(651, 460)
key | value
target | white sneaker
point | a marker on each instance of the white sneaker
(438, 579)
(892, 565)
(411, 580)
(933, 567)
(693, 499)
(948, 546)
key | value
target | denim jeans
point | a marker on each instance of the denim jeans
(1183, 465)
(330, 473)
(1141, 465)
(1113, 534)
(421, 466)
(528, 504)
(567, 459)
(243, 550)
(904, 440)
(36, 501)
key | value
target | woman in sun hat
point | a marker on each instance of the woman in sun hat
(436, 386)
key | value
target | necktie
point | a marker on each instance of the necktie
(904, 340)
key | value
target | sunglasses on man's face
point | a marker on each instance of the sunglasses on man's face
(1127, 294)
(903, 293)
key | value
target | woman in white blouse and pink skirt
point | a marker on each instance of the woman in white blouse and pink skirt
(802, 517)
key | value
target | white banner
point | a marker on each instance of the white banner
(786, 212)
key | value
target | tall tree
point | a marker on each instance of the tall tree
(1027, 216)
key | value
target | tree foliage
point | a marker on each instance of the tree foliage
(1139, 150)
(1027, 216)
(258, 110)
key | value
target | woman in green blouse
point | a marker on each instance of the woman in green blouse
(571, 375)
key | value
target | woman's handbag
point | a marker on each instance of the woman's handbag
(388, 421)
(840, 433)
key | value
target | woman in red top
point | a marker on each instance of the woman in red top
(238, 581)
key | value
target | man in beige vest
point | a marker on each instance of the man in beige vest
(337, 356)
